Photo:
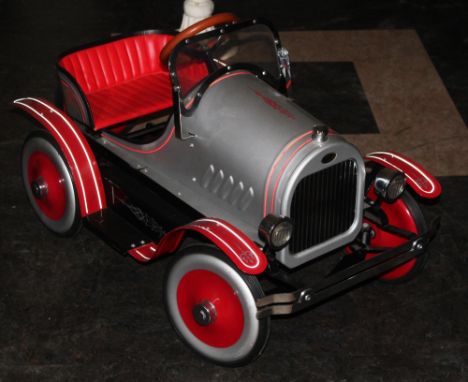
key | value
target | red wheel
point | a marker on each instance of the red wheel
(403, 213)
(212, 307)
(49, 184)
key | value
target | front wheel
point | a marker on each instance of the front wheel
(406, 214)
(211, 305)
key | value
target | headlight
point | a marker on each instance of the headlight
(276, 231)
(389, 184)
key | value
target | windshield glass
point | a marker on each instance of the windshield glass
(253, 45)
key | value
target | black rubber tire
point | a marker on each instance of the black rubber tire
(247, 288)
(70, 222)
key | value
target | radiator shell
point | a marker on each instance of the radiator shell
(311, 163)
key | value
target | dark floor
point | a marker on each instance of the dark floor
(74, 310)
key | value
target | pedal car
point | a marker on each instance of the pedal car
(188, 144)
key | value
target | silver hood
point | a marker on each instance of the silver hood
(251, 147)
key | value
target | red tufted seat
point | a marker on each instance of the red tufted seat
(120, 80)
(135, 98)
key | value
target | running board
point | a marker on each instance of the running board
(120, 234)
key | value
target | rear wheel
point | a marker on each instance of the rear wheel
(211, 305)
(406, 214)
(49, 184)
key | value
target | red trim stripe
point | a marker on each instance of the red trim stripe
(151, 151)
(215, 82)
(275, 164)
(283, 169)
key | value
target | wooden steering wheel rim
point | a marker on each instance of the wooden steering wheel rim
(192, 30)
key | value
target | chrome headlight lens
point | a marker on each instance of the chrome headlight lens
(389, 184)
(275, 231)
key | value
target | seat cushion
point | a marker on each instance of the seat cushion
(130, 99)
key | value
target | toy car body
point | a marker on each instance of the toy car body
(209, 158)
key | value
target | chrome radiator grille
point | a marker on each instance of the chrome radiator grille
(323, 205)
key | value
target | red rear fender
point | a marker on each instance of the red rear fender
(76, 150)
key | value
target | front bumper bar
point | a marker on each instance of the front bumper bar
(289, 303)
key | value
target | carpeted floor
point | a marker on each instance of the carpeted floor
(387, 74)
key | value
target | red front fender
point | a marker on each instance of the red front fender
(240, 249)
(418, 178)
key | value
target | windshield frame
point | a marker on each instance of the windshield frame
(180, 108)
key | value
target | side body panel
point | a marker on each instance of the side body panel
(76, 150)
(243, 132)
(162, 219)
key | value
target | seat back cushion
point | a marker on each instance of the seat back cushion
(109, 64)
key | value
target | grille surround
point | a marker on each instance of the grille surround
(311, 163)
(323, 205)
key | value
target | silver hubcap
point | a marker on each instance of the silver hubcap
(39, 188)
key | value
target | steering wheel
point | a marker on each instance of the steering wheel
(192, 30)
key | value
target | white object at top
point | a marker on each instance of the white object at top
(196, 10)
